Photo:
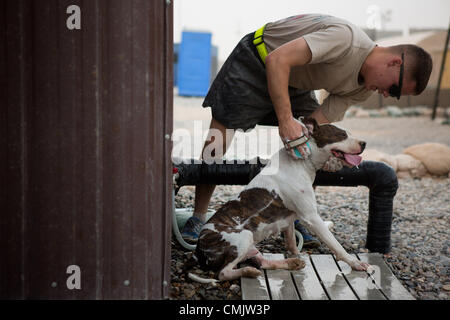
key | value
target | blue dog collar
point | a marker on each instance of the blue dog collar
(298, 154)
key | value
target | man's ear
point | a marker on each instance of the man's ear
(395, 61)
(311, 124)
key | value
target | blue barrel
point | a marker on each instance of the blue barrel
(194, 64)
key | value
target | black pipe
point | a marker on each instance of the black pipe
(236, 173)
(382, 183)
(377, 176)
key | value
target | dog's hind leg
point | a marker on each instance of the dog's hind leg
(288, 264)
(246, 250)
(229, 273)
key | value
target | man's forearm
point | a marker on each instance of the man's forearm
(278, 82)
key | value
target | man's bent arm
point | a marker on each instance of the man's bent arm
(278, 66)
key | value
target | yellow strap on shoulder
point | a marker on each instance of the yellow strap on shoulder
(258, 41)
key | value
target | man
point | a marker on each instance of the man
(270, 76)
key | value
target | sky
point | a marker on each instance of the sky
(230, 20)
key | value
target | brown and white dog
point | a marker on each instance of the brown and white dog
(270, 204)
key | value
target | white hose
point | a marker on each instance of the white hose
(300, 240)
(201, 280)
(176, 230)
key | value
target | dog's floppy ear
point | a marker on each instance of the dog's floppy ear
(311, 124)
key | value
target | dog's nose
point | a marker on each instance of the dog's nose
(363, 145)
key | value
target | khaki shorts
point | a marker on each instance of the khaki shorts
(239, 98)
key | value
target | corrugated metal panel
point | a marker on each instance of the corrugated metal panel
(84, 163)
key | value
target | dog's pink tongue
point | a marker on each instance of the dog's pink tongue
(353, 159)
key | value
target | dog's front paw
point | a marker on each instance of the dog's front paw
(295, 263)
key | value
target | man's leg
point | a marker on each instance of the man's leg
(203, 192)
(215, 146)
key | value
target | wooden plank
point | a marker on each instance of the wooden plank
(307, 282)
(361, 283)
(282, 287)
(332, 278)
(254, 288)
(387, 281)
(280, 281)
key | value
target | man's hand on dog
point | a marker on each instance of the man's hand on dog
(292, 130)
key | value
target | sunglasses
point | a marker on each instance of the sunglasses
(396, 90)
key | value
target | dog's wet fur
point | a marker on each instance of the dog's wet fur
(230, 235)
(233, 217)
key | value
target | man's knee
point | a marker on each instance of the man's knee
(217, 142)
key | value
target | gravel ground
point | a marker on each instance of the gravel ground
(420, 243)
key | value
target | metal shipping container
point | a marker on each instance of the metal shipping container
(85, 170)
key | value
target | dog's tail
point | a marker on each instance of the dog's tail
(189, 264)
(201, 280)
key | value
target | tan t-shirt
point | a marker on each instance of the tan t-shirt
(338, 51)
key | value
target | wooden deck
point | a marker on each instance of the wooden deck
(324, 279)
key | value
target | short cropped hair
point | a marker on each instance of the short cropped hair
(418, 64)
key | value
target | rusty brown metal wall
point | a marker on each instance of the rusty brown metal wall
(85, 170)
